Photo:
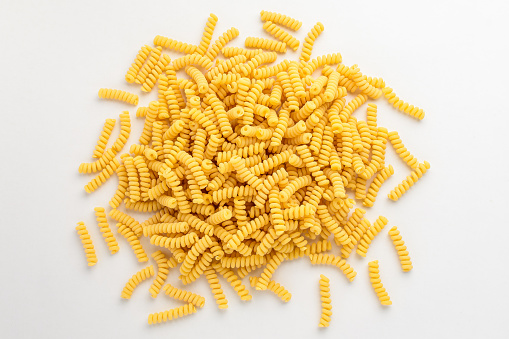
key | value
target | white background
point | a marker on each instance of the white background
(449, 57)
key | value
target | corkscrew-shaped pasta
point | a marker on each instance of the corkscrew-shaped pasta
(269, 270)
(229, 52)
(404, 107)
(199, 78)
(370, 234)
(133, 241)
(105, 229)
(185, 296)
(313, 65)
(281, 35)
(326, 301)
(179, 312)
(225, 67)
(281, 19)
(307, 47)
(376, 282)
(362, 83)
(399, 244)
(162, 228)
(87, 243)
(276, 213)
(175, 45)
(208, 31)
(196, 250)
(293, 73)
(328, 259)
(332, 226)
(410, 180)
(312, 165)
(162, 273)
(116, 94)
(234, 281)
(402, 151)
(101, 178)
(135, 280)
(376, 184)
(356, 102)
(122, 187)
(109, 124)
(140, 59)
(126, 220)
(355, 237)
(227, 36)
(190, 59)
(235, 262)
(219, 217)
(186, 240)
(275, 287)
(293, 186)
(211, 276)
(269, 44)
(249, 228)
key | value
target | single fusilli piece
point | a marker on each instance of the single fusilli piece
(186, 296)
(410, 180)
(399, 244)
(376, 282)
(116, 94)
(106, 230)
(399, 104)
(326, 301)
(157, 318)
(281, 35)
(175, 45)
(135, 280)
(329, 259)
(275, 287)
(370, 234)
(281, 20)
(269, 44)
(307, 47)
(87, 243)
(211, 276)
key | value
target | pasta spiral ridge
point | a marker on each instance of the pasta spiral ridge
(401, 150)
(269, 270)
(208, 31)
(126, 220)
(109, 124)
(376, 282)
(234, 281)
(375, 185)
(281, 35)
(227, 36)
(275, 287)
(133, 241)
(213, 281)
(101, 178)
(162, 273)
(175, 45)
(399, 244)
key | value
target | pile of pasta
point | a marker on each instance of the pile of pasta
(246, 165)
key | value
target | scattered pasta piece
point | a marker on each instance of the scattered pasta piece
(135, 280)
(410, 180)
(326, 301)
(87, 243)
(106, 230)
(116, 94)
(179, 312)
(399, 244)
(374, 278)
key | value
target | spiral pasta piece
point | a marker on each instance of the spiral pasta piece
(157, 318)
(307, 47)
(162, 273)
(362, 83)
(269, 44)
(404, 107)
(135, 280)
(356, 102)
(399, 244)
(376, 282)
(328, 259)
(208, 31)
(109, 124)
(281, 19)
(229, 52)
(185, 296)
(269, 270)
(105, 229)
(101, 178)
(133, 241)
(126, 220)
(410, 180)
(122, 187)
(375, 185)
(116, 94)
(175, 45)
(234, 281)
(199, 78)
(402, 151)
(161, 228)
(140, 59)
(370, 234)
(313, 65)
(227, 36)
(88, 246)
(281, 35)
(211, 276)
(326, 301)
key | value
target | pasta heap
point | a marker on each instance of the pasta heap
(246, 165)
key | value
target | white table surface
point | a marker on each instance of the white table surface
(449, 57)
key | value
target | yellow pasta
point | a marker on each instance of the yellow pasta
(399, 244)
(135, 280)
(185, 296)
(269, 44)
(281, 19)
(87, 243)
(307, 47)
(326, 301)
(374, 278)
(281, 35)
(410, 180)
(157, 318)
(106, 230)
(370, 234)
(116, 94)
(246, 163)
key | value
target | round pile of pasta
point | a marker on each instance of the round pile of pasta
(245, 165)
